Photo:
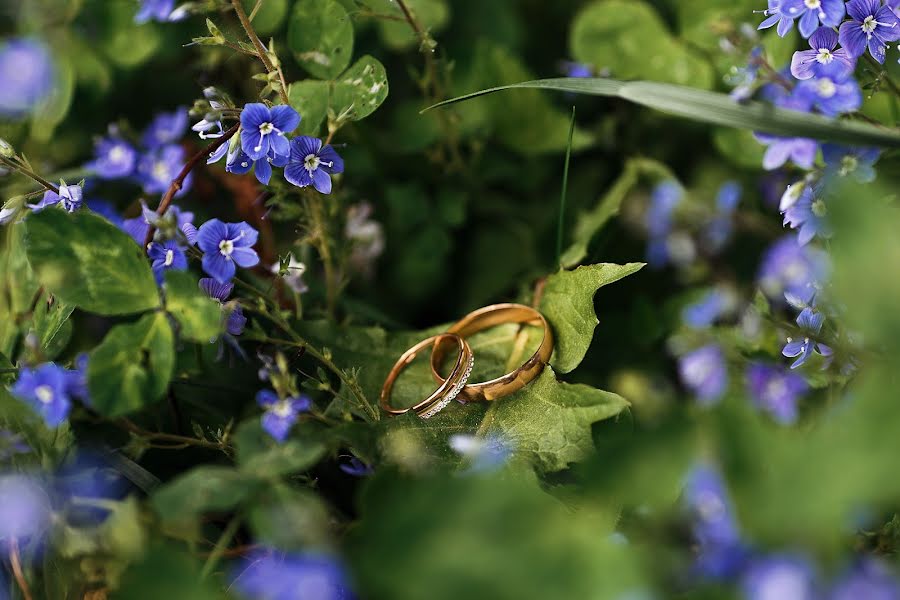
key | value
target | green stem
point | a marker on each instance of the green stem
(221, 545)
(565, 189)
(884, 75)
(320, 240)
(260, 49)
(29, 173)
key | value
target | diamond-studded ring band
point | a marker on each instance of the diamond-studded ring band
(490, 316)
(449, 387)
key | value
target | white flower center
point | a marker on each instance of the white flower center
(266, 128)
(813, 4)
(311, 162)
(117, 154)
(819, 209)
(870, 25)
(282, 409)
(44, 393)
(775, 388)
(226, 247)
(160, 171)
(827, 89)
(170, 258)
(824, 56)
(849, 164)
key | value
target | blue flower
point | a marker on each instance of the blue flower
(356, 467)
(281, 414)
(105, 210)
(312, 164)
(158, 167)
(811, 12)
(165, 256)
(157, 10)
(788, 267)
(166, 225)
(830, 96)
(271, 575)
(484, 454)
(576, 69)
(704, 373)
(708, 308)
(823, 60)
(807, 212)
(166, 128)
(870, 579)
(744, 78)
(776, 391)
(774, 15)
(658, 220)
(718, 231)
(25, 508)
(70, 196)
(264, 129)
(239, 163)
(224, 245)
(842, 161)
(779, 577)
(46, 389)
(114, 158)
(800, 151)
(810, 323)
(872, 25)
(26, 76)
(235, 321)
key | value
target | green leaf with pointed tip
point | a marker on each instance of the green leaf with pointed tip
(320, 35)
(310, 99)
(199, 316)
(86, 261)
(132, 366)
(590, 223)
(568, 303)
(360, 89)
(711, 108)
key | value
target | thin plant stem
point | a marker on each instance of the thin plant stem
(188, 167)
(29, 173)
(170, 437)
(565, 189)
(260, 49)
(15, 561)
(321, 243)
(255, 10)
(221, 546)
(883, 76)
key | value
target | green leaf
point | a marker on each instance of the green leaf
(261, 456)
(320, 34)
(166, 572)
(591, 222)
(199, 316)
(132, 366)
(712, 108)
(201, 490)
(568, 303)
(52, 326)
(85, 260)
(269, 15)
(359, 90)
(290, 519)
(617, 35)
(310, 99)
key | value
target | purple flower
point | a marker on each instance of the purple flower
(806, 212)
(114, 158)
(774, 14)
(224, 245)
(704, 372)
(312, 164)
(239, 163)
(166, 128)
(166, 255)
(823, 60)
(872, 25)
(281, 414)
(830, 96)
(46, 390)
(26, 76)
(869, 580)
(77, 383)
(158, 167)
(70, 196)
(811, 12)
(271, 575)
(484, 454)
(707, 309)
(717, 232)
(788, 267)
(658, 220)
(157, 10)
(25, 509)
(576, 69)
(810, 323)
(842, 161)
(800, 151)
(264, 129)
(235, 319)
(166, 225)
(778, 577)
(776, 391)
(356, 467)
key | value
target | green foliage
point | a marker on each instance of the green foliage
(199, 317)
(86, 261)
(630, 40)
(132, 366)
(145, 581)
(320, 34)
(258, 455)
(432, 15)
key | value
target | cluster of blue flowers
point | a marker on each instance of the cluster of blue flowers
(721, 555)
(49, 389)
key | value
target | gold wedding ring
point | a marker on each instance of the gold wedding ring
(490, 316)
(449, 388)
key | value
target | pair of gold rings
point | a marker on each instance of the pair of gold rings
(456, 384)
